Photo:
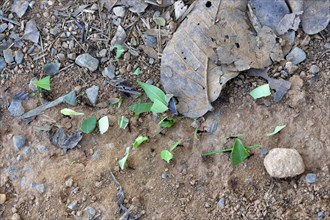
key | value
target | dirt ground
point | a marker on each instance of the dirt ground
(191, 186)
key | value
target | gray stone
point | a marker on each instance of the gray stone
(19, 142)
(314, 69)
(19, 56)
(91, 212)
(20, 7)
(222, 202)
(290, 67)
(264, 152)
(86, 60)
(71, 98)
(109, 72)
(16, 217)
(119, 11)
(92, 93)
(320, 214)
(327, 45)
(42, 148)
(103, 53)
(32, 86)
(164, 175)
(51, 68)
(96, 155)
(72, 56)
(310, 178)
(40, 188)
(61, 57)
(150, 81)
(8, 55)
(296, 56)
(31, 32)
(15, 108)
(2, 63)
(283, 163)
(3, 27)
(73, 205)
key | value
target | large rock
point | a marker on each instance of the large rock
(284, 162)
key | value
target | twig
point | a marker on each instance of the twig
(9, 20)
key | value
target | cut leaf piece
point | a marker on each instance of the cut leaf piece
(175, 145)
(139, 140)
(239, 152)
(123, 122)
(166, 155)
(276, 130)
(153, 92)
(167, 122)
(70, 112)
(88, 125)
(140, 107)
(137, 71)
(122, 161)
(119, 50)
(103, 124)
(158, 107)
(43, 83)
(261, 91)
(160, 21)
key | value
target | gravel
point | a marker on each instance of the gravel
(86, 60)
(8, 55)
(19, 142)
(284, 162)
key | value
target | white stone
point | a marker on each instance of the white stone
(283, 163)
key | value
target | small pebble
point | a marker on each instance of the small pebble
(69, 183)
(92, 94)
(40, 188)
(42, 148)
(3, 63)
(2, 198)
(19, 56)
(310, 178)
(164, 175)
(73, 205)
(296, 56)
(150, 81)
(19, 142)
(320, 214)
(221, 202)
(91, 212)
(314, 69)
(16, 217)
(96, 155)
(119, 11)
(8, 55)
(264, 152)
(109, 72)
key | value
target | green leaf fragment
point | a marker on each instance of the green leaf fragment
(103, 124)
(139, 140)
(70, 112)
(239, 152)
(137, 71)
(122, 161)
(88, 125)
(153, 92)
(123, 122)
(276, 130)
(119, 50)
(166, 155)
(141, 107)
(158, 107)
(261, 91)
(160, 21)
(43, 83)
(175, 145)
(196, 134)
(167, 122)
